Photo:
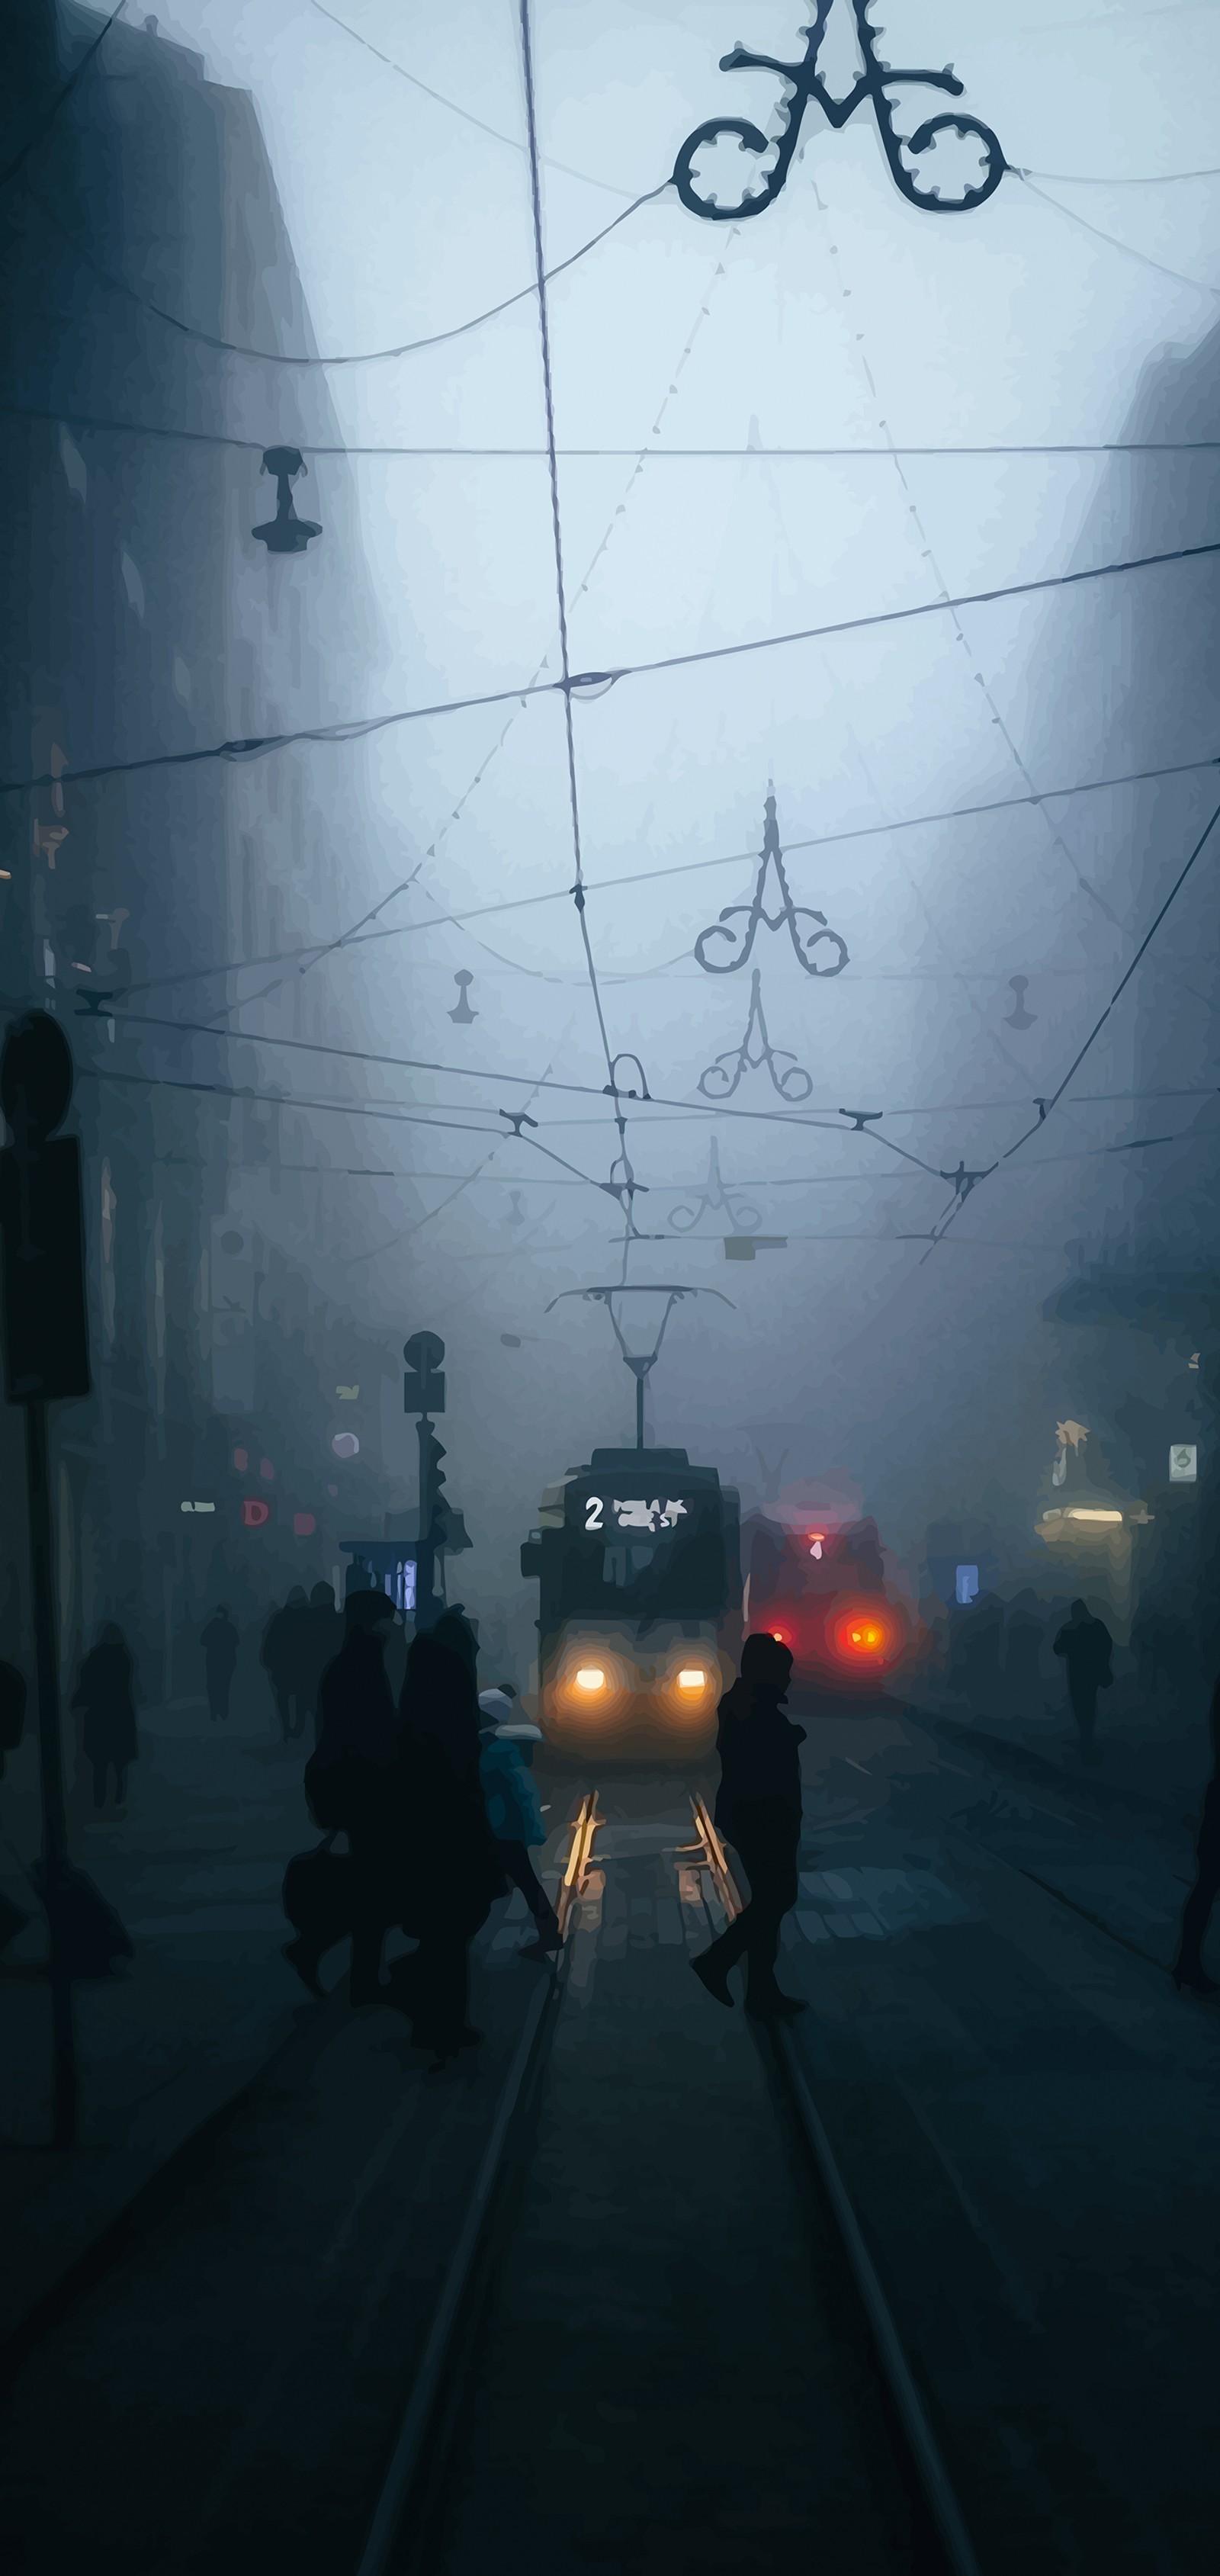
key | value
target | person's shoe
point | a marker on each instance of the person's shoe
(713, 1979)
(305, 1961)
(775, 2007)
(1195, 1980)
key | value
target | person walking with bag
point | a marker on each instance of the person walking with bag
(758, 1809)
(513, 1811)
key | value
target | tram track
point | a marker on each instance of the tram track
(406, 2533)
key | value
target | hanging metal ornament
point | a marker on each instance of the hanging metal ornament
(743, 1218)
(719, 1081)
(803, 84)
(755, 911)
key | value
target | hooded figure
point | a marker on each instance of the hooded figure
(1085, 1646)
(453, 1868)
(513, 1811)
(758, 1807)
(104, 1691)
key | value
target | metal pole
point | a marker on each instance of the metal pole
(639, 1409)
(50, 1741)
(424, 1576)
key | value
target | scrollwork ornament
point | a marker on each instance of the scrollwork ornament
(804, 941)
(804, 83)
(719, 1080)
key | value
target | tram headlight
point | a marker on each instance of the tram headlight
(692, 1678)
(590, 1677)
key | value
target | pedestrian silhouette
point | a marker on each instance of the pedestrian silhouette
(219, 1642)
(758, 1809)
(325, 1637)
(1023, 1633)
(1196, 1913)
(513, 1811)
(1085, 1645)
(285, 1659)
(353, 1783)
(454, 1870)
(104, 1691)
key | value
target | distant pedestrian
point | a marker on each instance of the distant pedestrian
(325, 1637)
(219, 1643)
(513, 1811)
(1085, 1645)
(1189, 1970)
(285, 1660)
(758, 1809)
(454, 1869)
(104, 1691)
(353, 1782)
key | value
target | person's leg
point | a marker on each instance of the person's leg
(120, 1783)
(520, 1869)
(100, 1770)
(1083, 1696)
(1197, 1911)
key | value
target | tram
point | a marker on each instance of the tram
(638, 1563)
(823, 1592)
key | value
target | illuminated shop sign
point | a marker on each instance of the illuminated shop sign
(1183, 1464)
(255, 1514)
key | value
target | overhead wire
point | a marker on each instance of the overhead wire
(73, 419)
(513, 141)
(687, 867)
(360, 728)
(1129, 249)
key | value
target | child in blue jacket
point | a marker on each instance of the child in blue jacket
(506, 1755)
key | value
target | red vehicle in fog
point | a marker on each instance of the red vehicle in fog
(822, 1591)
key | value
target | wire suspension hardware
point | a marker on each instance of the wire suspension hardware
(640, 1364)
(803, 82)
(719, 1080)
(756, 913)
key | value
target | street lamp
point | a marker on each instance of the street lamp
(285, 534)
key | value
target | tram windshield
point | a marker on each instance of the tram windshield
(647, 1554)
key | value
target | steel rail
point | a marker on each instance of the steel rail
(912, 2413)
(385, 2533)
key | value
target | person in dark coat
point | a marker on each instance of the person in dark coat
(219, 1642)
(285, 1659)
(353, 1782)
(1085, 1645)
(104, 1691)
(12, 1710)
(758, 1809)
(453, 1869)
(1188, 1968)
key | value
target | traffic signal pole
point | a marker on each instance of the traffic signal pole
(425, 1562)
(50, 1748)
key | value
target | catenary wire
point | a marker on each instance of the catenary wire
(512, 141)
(672, 455)
(1199, 284)
(686, 867)
(357, 358)
(359, 728)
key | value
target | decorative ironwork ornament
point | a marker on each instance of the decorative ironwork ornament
(876, 80)
(743, 1218)
(719, 1081)
(756, 912)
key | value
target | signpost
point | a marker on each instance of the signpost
(423, 1393)
(46, 1359)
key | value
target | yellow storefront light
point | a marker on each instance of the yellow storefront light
(1075, 1512)
(590, 1677)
